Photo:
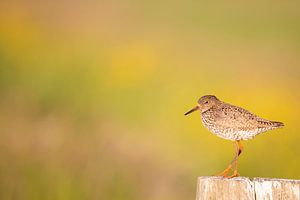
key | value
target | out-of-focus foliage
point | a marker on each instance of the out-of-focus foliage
(92, 94)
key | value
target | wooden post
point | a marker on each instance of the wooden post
(276, 188)
(212, 187)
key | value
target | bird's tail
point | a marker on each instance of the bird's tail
(277, 124)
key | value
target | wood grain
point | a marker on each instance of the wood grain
(276, 188)
(211, 187)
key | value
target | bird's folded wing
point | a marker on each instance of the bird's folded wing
(233, 117)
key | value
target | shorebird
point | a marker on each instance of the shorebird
(231, 123)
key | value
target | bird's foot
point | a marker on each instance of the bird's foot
(235, 174)
(225, 172)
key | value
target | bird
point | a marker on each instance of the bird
(233, 123)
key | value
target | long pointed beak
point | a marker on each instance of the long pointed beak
(194, 109)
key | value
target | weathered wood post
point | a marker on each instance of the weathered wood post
(211, 187)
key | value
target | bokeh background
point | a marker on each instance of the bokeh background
(92, 94)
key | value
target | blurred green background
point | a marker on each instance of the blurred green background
(92, 94)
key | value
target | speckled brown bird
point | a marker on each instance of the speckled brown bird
(231, 123)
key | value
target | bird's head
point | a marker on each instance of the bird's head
(205, 103)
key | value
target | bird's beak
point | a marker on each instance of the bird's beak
(194, 109)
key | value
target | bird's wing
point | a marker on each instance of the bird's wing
(234, 117)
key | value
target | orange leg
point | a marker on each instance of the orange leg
(233, 164)
(225, 172)
(239, 148)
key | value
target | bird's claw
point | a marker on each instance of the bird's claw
(235, 174)
(225, 173)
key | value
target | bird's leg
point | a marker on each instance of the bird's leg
(239, 148)
(238, 151)
(227, 170)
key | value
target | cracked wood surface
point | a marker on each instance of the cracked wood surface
(211, 187)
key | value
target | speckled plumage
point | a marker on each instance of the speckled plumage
(232, 122)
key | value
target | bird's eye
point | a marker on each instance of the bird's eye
(206, 102)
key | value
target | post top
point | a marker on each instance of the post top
(214, 187)
(254, 179)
